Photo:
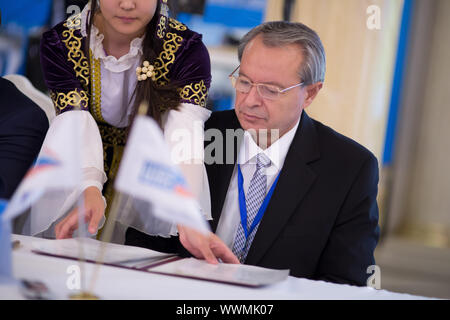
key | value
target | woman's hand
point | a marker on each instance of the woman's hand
(94, 209)
(208, 247)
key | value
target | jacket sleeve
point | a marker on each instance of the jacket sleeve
(350, 247)
(22, 132)
(192, 71)
(63, 65)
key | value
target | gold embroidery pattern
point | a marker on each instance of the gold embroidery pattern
(112, 138)
(74, 22)
(177, 25)
(162, 24)
(75, 54)
(161, 27)
(105, 164)
(108, 187)
(96, 88)
(166, 58)
(195, 93)
(73, 99)
(112, 135)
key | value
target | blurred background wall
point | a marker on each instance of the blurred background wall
(386, 86)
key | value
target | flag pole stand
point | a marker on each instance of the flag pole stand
(84, 296)
(109, 227)
(118, 198)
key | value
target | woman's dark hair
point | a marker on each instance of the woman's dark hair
(159, 98)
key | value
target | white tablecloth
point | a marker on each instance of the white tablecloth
(120, 283)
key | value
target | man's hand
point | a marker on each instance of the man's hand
(94, 209)
(208, 247)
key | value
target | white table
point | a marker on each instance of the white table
(120, 283)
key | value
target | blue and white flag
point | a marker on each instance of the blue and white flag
(160, 192)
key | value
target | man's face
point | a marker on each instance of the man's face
(276, 66)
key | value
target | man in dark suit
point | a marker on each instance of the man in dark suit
(322, 219)
(23, 126)
(289, 192)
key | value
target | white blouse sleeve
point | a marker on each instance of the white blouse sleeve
(55, 204)
(184, 132)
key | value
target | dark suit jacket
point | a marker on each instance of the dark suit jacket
(322, 219)
(23, 126)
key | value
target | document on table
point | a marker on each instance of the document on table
(157, 262)
(91, 250)
(228, 273)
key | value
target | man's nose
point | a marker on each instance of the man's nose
(253, 98)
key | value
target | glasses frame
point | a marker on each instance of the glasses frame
(234, 78)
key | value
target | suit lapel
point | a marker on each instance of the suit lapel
(296, 177)
(220, 186)
(219, 175)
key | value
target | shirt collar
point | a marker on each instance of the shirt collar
(276, 152)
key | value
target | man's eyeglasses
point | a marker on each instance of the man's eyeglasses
(267, 91)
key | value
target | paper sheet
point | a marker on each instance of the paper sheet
(230, 273)
(114, 254)
(153, 261)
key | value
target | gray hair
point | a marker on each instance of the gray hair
(282, 33)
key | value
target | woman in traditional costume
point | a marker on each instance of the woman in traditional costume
(107, 60)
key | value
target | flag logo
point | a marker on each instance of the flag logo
(163, 177)
(46, 161)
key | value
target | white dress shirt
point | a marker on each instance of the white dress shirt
(230, 217)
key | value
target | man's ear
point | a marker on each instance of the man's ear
(311, 92)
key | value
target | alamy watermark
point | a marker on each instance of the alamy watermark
(373, 21)
(374, 281)
(73, 281)
(213, 146)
